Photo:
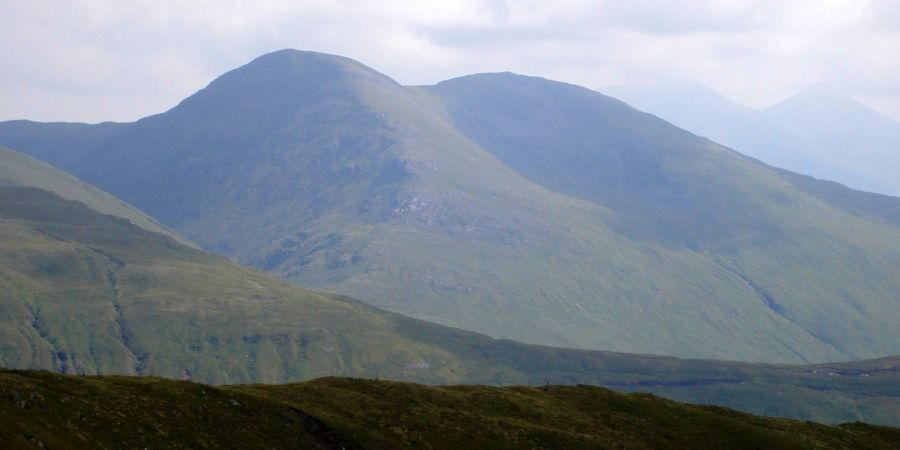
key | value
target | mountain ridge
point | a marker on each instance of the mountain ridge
(357, 185)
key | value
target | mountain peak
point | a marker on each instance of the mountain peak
(494, 84)
(821, 95)
(276, 83)
(499, 77)
(290, 58)
(823, 103)
(299, 66)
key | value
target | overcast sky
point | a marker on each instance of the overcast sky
(95, 60)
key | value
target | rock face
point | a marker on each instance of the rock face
(509, 205)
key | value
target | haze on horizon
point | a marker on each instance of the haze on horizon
(96, 60)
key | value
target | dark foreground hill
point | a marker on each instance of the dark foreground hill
(512, 206)
(83, 292)
(43, 410)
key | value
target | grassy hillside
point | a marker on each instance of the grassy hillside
(87, 293)
(567, 219)
(798, 250)
(53, 411)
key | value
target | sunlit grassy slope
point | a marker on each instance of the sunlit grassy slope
(89, 293)
(60, 412)
(516, 207)
(86, 293)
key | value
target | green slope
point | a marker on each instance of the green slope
(87, 293)
(569, 220)
(53, 411)
(804, 248)
(90, 293)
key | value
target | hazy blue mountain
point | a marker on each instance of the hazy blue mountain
(707, 113)
(46, 139)
(691, 106)
(817, 132)
(509, 205)
(861, 145)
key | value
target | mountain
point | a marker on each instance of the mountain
(47, 138)
(700, 110)
(82, 292)
(88, 292)
(20, 171)
(513, 206)
(859, 143)
(818, 132)
(693, 107)
(668, 189)
(60, 412)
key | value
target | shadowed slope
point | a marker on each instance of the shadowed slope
(59, 143)
(18, 170)
(66, 412)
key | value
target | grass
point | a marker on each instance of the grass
(61, 412)
(87, 293)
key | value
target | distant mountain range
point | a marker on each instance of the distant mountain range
(513, 206)
(819, 131)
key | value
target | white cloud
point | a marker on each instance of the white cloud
(93, 60)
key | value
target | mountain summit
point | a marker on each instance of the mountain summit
(819, 131)
(515, 206)
(855, 144)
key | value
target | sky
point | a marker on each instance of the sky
(97, 60)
